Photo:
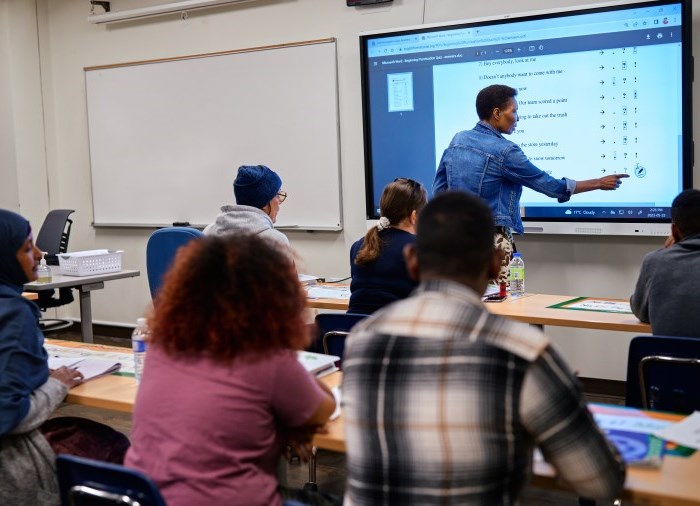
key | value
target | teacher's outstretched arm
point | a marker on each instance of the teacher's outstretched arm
(611, 182)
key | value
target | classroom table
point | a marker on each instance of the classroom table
(84, 285)
(674, 484)
(534, 309)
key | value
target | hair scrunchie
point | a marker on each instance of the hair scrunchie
(383, 223)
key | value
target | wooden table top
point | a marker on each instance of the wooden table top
(676, 483)
(534, 309)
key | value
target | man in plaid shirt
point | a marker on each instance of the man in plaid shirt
(444, 402)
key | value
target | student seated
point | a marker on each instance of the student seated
(667, 285)
(377, 266)
(222, 391)
(30, 392)
(445, 402)
(258, 194)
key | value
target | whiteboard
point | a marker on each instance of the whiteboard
(167, 136)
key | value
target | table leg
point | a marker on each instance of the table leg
(85, 316)
(86, 310)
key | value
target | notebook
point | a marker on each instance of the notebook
(317, 363)
(89, 367)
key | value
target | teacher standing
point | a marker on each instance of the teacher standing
(483, 162)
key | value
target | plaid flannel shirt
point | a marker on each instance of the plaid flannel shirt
(445, 402)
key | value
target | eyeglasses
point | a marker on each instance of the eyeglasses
(281, 196)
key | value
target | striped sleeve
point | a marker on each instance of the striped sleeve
(554, 412)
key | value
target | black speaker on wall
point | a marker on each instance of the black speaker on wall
(353, 3)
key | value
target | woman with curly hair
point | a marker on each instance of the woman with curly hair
(222, 391)
(377, 267)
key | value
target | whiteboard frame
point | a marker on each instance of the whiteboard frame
(334, 219)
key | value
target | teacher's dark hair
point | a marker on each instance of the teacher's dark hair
(492, 97)
(685, 212)
(454, 238)
(227, 296)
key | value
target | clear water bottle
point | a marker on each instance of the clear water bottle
(138, 345)
(43, 272)
(517, 275)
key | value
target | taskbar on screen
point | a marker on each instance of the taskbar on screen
(597, 213)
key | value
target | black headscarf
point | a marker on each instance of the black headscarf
(23, 366)
(14, 230)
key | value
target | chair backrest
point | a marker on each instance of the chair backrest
(161, 249)
(91, 483)
(54, 234)
(333, 328)
(663, 373)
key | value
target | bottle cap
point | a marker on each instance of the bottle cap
(516, 255)
(141, 322)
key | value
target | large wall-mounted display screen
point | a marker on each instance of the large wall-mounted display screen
(601, 90)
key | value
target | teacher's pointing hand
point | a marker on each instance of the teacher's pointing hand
(611, 182)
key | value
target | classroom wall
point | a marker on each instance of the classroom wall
(44, 45)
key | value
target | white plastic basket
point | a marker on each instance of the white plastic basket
(86, 263)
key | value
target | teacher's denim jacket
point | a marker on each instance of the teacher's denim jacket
(483, 162)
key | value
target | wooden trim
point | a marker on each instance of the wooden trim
(596, 386)
(208, 55)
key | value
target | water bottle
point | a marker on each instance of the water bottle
(43, 272)
(517, 275)
(138, 345)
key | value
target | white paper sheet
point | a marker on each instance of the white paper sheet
(685, 433)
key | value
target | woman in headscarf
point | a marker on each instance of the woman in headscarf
(29, 391)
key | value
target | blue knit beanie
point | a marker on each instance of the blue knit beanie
(256, 185)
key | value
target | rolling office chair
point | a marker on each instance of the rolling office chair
(663, 373)
(87, 482)
(161, 249)
(53, 239)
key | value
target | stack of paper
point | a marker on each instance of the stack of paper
(318, 363)
(307, 279)
(329, 292)
(89, 367)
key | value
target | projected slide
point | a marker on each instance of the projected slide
(582, 115)
(601, 90)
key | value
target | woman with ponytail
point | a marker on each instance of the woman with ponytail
(377, 266)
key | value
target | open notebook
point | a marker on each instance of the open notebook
(89, 367)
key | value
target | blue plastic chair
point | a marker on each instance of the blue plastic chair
(161, 249)
(663, 373)
(333, 328)
(87, 482)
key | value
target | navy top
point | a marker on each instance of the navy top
(383, 281)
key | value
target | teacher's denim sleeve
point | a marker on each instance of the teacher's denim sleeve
(440, 182)
(519, 169)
